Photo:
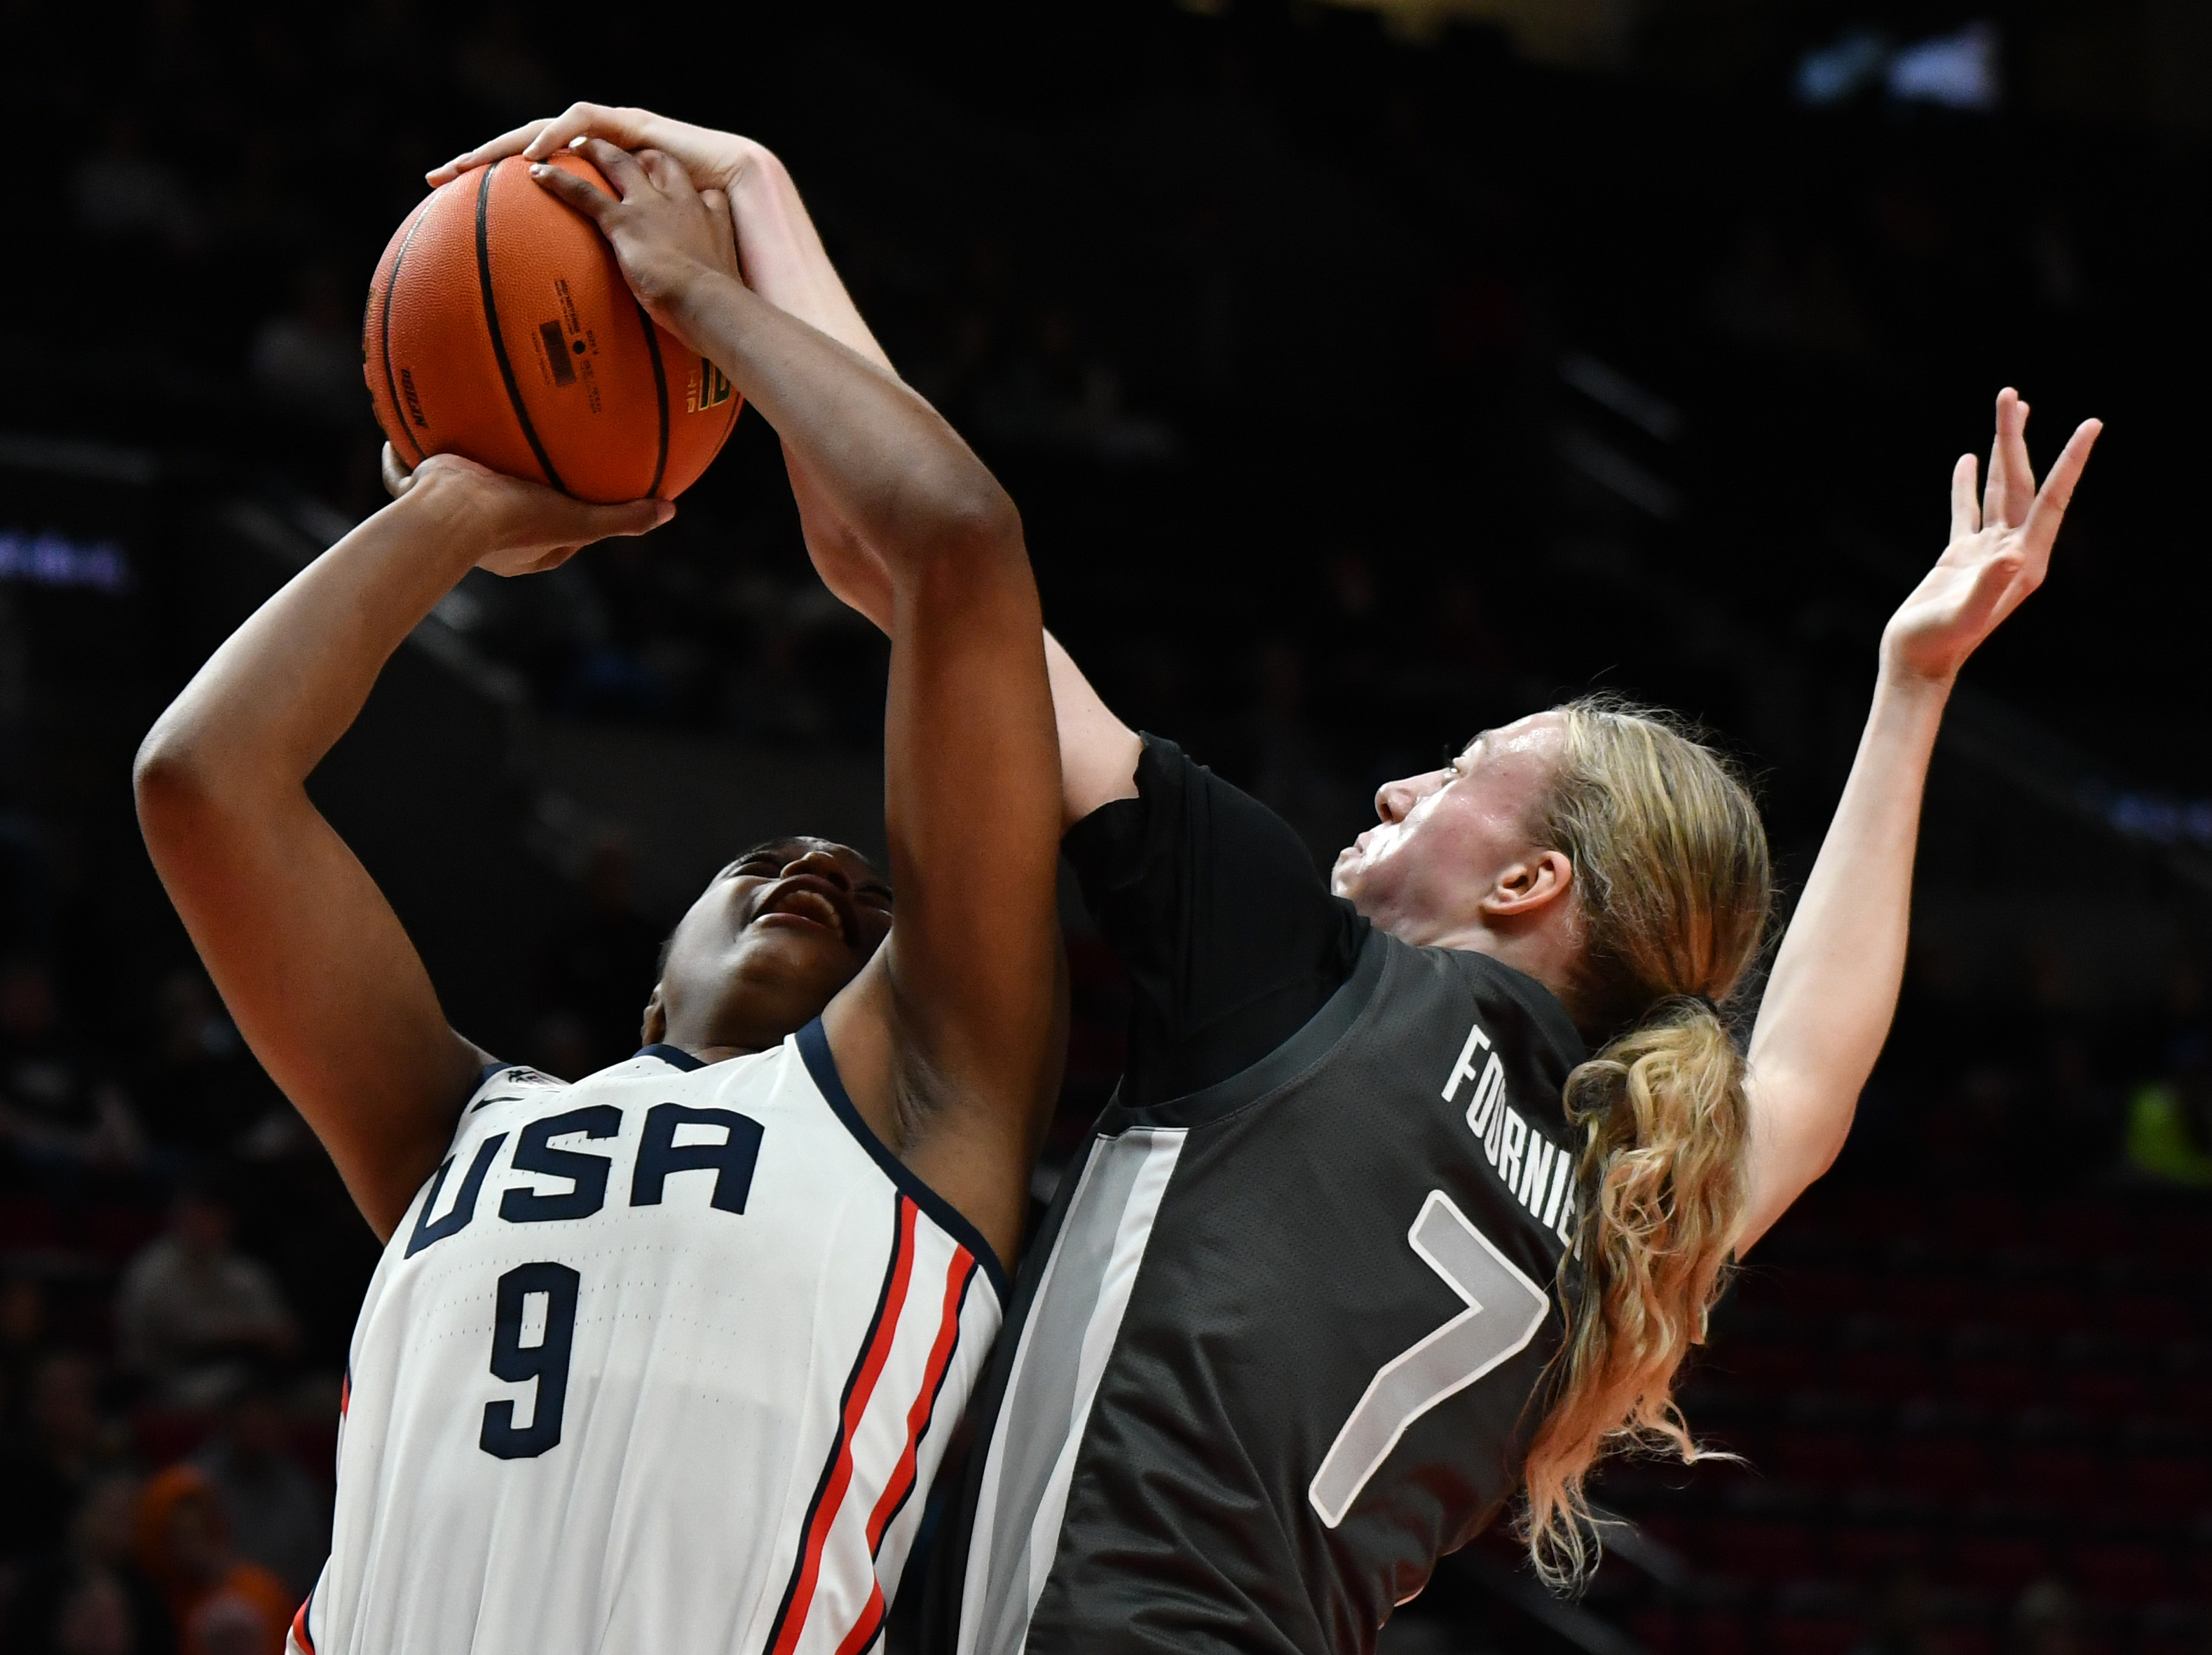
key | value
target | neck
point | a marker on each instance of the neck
(1545, 951)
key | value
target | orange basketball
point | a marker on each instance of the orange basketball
(499, 328)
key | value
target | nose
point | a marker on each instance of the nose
(822, 865)
(1393, 799)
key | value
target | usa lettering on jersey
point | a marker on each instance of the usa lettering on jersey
(661, 1359)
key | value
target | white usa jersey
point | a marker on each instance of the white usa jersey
(662, 1360)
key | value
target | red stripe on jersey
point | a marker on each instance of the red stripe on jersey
(857, 1398)
(345, 1395)
(918, 1417)
(300, 1625)
(925, 1402)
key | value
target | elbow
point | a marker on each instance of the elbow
(173, 781)
(974, 537)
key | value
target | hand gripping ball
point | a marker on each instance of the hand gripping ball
(499, 328)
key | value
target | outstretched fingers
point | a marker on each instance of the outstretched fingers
(1965, 511)
(2049, 510)
(1996, 484)
(512, 143)
(580, 120)
(2020, 469)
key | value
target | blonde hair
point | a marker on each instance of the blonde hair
(1674, 886)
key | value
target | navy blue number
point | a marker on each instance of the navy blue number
(587, 1172)
(546, 1361)
(465, 1203)
(659, 1154)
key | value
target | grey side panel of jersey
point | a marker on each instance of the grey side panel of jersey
(1079, 1307)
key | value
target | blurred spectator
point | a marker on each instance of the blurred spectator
(62, 1118)
(600, 968)
(122, 192)
(193, 1308)
(1899, 1621)
(2170, 1121)
(306, 361)
(279, 1516)
(201, 1092)
(22, 1347)
(67, 1445)
(499, 67)
(94, 1596)
(221, 1603)
(2046, 1620)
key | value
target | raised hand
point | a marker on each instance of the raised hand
(2000, 550)
(525, 528)
(712, 160)
(669, 237)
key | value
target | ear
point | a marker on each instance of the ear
(655, 1029)
(1530, 888)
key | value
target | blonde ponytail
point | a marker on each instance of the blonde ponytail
(1675, 885)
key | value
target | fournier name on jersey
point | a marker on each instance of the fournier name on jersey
(1535, 1170)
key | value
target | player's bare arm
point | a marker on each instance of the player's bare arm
(784, 262)
(780, 257)
(309, 958)
(1828, 1004)
(948, 1038)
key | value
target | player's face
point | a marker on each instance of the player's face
(769, 943)
(1447, 837)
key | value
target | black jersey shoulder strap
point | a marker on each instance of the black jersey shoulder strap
(1315, 1040)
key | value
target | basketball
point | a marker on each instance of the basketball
(499, 328)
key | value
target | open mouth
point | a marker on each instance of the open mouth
(805, 904)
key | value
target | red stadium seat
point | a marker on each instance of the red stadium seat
(1829, 1458)
(1812, 1634)
(1999, 1563)
(1951, 1469)
(2130, 1573)
(166, 1435)
(1758, 1547)
(114, 1232)
(2171, 1484)
(2066, 1473)
(28, 1223)
(1866, 1551)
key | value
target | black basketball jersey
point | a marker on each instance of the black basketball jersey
(1273, 1350)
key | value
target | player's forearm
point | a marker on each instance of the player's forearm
(871, 450)
(787, 265)
(282, 687)
(1833, 989)
(785, 261)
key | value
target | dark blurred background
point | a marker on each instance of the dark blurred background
(1365, 378)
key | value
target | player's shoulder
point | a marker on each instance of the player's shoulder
(1525, 1018)
(501, 1083)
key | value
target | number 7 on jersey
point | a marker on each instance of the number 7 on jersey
(1504, 1310)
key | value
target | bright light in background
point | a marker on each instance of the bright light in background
(1964, 70)
(54, 559)
(1835, 73)
(1959, 71)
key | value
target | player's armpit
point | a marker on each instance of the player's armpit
(971, 980)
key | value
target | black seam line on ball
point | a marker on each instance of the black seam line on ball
(498, 345)
(659, 400)
(391, 384)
